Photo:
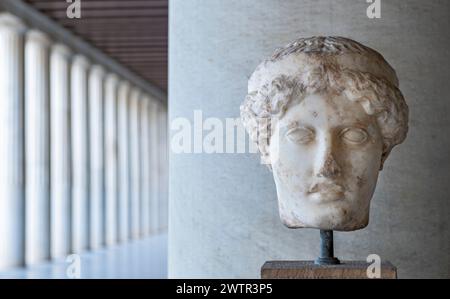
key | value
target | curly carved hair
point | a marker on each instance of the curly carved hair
(377, 95)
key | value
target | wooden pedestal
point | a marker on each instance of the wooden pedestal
(309, 270)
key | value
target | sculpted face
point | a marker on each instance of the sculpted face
(326, 153)
(325, 113)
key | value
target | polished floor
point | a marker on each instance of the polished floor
(146, 258)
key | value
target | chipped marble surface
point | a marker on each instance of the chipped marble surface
(325, 113)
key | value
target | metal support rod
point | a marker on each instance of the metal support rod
(326, 249)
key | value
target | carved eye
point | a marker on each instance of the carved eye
(354, 135)
(300, 135)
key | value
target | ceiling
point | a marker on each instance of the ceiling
(133, 32)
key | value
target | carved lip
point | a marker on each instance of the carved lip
(326, 191)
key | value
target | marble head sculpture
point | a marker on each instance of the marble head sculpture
(325, 112)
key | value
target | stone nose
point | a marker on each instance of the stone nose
(329, 167)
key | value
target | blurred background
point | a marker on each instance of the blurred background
(83, 117)
(132, 32)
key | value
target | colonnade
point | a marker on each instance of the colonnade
(83, 152)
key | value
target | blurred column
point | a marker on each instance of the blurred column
(135, 160)
(154, 150)
(144, 137)
(80, 154)
(166, 168)
(111, 86)
(160, 170)
(163, 198)
(60, 185)
(124, 165)
(96, 148)
(37, 151)
(11, 142)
